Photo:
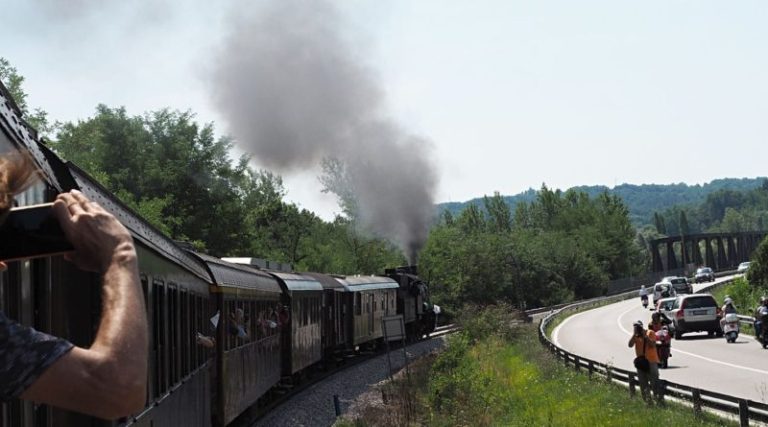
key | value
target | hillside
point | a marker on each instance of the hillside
(642, 200)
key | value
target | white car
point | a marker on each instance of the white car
(743, 267)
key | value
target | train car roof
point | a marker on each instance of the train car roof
(328, 281)
(227, 274)
(297, 282)
(366, 283)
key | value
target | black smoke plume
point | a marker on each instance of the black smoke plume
(294, 92)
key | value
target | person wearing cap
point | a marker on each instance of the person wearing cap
(644, 342)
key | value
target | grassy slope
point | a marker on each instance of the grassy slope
(503, 381)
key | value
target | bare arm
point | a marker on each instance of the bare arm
(107, 380)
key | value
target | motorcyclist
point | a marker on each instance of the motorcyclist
(664, 345)
(728, 307)
(758, 318)
(643, 295)
(761, 316)
(658, 321)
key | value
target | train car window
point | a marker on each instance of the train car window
(358, 304)
(185, 334)
(252, 326)
(229, 309)
(159, 338)
(194, 326)
(145, 290)
(173, 323)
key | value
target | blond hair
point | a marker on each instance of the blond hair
(17, 172)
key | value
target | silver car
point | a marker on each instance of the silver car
(743, 267)
(695, 313)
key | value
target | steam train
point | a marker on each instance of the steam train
(270, 325)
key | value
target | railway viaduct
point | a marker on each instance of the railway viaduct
(721, 251)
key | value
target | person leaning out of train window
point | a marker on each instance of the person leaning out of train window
(205, 341)
(238, 325)
(107, 379)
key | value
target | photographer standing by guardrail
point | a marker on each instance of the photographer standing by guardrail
(646, 361)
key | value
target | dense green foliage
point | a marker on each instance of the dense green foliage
(721, 211)
(758, 269)
(178, 175)
(641, 200)
(558, 247)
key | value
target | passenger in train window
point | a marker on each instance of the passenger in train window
(283, 316)
(205, 341)
(107, 380)
(238, 325)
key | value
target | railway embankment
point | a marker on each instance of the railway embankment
(495, 372)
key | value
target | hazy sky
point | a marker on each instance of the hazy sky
(509, 94)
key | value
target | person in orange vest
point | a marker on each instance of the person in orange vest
(646, 360)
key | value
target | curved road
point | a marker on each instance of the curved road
(739, 369)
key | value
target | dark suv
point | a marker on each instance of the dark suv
(705, 274)
(696, 313)
(680, 285)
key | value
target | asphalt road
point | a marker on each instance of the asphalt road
(739, 369)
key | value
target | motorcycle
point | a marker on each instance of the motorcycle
(731, 327)
(760, 325)
(663, 346)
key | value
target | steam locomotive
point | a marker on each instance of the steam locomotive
(270, 325)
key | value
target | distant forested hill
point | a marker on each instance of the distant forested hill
(642, 200)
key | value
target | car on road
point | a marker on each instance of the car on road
(704, 274)
(696, 313)
(743, 267)
(661, 290)
(665, 306)
(679, 284)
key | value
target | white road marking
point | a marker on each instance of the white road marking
(677, 350)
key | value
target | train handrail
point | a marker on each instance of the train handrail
(745, 409)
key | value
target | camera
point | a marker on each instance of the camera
(32, 232)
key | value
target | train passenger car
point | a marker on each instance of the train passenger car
(370, 299)
(302, 346)
(53, 296)
(247, 336)
(413, 301)
(336, 327)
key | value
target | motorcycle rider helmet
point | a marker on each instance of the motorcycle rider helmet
(728, 300)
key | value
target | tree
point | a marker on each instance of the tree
(683, 225)
(758, 269)
(499, 213)
(658, 221)
(13, 81)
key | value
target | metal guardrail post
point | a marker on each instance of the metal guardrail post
(661, 389)
(743, 413)
(632, 382)
(696, 395)
(591, 368)
(609, 374)
(577, 363)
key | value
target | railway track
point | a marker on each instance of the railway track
(286, 392)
